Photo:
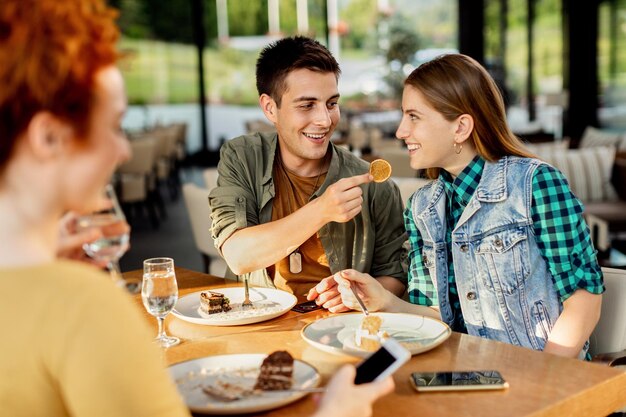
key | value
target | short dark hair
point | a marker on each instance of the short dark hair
(279, 58)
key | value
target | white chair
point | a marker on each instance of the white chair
(399, 160)
(408, 186)
(197, 203)
(137, 177)
(259, 125)
(609, 336)
(608, 340)
(210, 178)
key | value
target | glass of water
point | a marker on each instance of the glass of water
(159, 293)
(114, 242)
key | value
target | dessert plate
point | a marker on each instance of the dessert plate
(336, 334)
(268, 303)
(240, 370)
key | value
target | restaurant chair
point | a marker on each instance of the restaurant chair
(259, 125)
(358, 137)
(210, 178)
(608, 340)
(408, 186)
(136, 179)
(399, 160)
(197, 203)
(166, 155)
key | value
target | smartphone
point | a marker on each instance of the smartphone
(382, 363)
(306, 307)
(458, 381)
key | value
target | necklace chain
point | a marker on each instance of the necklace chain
(295, 259)
(293, 188)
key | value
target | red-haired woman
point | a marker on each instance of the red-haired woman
(72, 343)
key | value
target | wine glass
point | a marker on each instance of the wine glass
(114, 242)
(159, 293)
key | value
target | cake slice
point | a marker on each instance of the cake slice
(212, 302)
(276, 372)
(369, 336)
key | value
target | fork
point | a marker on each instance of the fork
(246, 302)
(358, 299)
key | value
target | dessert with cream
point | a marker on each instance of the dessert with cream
(369, 336)
(276, 372)
(212, 302)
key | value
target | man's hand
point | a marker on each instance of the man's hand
(344, 199)
(326, 294)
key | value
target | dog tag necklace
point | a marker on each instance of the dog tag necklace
(295, 257)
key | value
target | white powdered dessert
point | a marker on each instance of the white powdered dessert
(369, 336)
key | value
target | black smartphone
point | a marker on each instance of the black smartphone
(306, 307)
(458, 381)
(382, 363)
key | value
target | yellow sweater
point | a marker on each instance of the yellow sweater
(71, 344)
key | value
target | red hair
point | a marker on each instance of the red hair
(50, 51)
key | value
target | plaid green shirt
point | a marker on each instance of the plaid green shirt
(560, 230)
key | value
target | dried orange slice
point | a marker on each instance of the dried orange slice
(380, 170)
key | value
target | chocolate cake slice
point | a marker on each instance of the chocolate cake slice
(276, 372)
(212, 302)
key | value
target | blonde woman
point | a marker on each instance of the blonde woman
(499, 246)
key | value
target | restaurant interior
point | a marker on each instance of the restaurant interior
(561, 67)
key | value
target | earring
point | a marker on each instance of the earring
(457, 147)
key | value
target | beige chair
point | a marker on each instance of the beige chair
(408, 186)
(609, 336)
(210, 178)
(259, 125)
(358, 137)
(136, 177)
(197, 203)
(399, 160)
(608, 340)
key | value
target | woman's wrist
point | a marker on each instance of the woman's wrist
(388, 303)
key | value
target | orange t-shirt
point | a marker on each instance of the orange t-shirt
(293, 192)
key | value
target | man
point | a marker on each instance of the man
(290, 208)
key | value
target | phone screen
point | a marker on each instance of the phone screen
(424, 381)
(369, 369)
(306, 307)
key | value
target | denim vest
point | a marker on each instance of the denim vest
(504, 285)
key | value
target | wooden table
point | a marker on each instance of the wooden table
(541, 384)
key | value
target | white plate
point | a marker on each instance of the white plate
(268, 303)
(336, 334)
(241, 369)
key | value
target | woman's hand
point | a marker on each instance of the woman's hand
(326, 294)
(70, 242)
(372, 293)
(344, 399)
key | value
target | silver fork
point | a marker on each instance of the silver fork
(359, 300)
(246, 302)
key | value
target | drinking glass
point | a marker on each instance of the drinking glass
(114, 242)
(159, 293)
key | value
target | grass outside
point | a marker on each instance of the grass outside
(160, 72)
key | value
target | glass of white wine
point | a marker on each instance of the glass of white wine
(114, 242)
(159, 293)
